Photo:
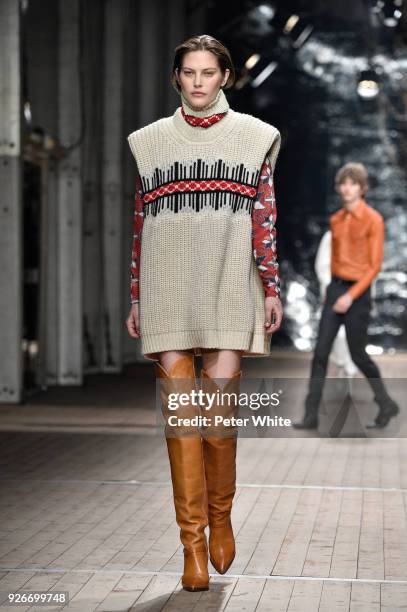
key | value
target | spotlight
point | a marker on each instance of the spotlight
(368, 85)
(252, 61)
(258, 20)
(298, 29)
(267, 11)
(249, 64)
(264, 74)
(391, 18)
(390, 11)
(27, 112)
(256, 70)
(290, 23)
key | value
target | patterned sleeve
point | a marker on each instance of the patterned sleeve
(264, 216)
(138, 220)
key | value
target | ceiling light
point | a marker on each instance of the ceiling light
(368, 85)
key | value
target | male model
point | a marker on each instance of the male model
(356, 258)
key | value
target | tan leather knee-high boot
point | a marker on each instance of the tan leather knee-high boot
(219, 444)
(187, 473)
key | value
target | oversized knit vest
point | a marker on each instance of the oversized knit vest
(199, 285)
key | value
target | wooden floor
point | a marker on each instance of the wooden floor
(320, 523)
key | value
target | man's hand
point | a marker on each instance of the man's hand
(343, 303)
(132, 322)
(272, 307)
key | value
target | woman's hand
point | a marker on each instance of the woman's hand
(273, 310)
(132, 321)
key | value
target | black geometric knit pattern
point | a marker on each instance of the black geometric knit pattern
(200, 185)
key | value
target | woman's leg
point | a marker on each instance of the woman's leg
(176, 372)
(219, 447)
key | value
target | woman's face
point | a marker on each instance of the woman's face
(200, 72)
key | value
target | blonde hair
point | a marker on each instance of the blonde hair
(355, 171)
(204, 42)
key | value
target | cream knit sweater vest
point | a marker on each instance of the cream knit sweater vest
(199, 284)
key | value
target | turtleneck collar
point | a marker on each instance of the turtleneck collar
(217, 117)
(218, 106)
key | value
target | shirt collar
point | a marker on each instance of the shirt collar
(358, 210)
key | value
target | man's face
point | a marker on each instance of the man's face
(349, 190)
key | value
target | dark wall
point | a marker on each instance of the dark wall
(312, 98)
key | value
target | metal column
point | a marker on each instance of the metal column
(112, 188)
(10, 205)
(69, 201)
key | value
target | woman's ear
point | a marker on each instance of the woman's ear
(227, 73)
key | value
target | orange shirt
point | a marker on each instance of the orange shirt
(357, 245)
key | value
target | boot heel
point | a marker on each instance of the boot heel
(196, 577)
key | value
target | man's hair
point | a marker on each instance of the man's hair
(355, 171)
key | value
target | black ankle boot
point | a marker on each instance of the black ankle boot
(310, 421)
(388, 408)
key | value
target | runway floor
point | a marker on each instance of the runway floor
(86, 507)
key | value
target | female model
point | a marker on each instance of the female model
(204, 280)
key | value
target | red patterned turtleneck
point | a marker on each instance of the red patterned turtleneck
(264, 217)
(202, 121)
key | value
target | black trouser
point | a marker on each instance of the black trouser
(356, 321)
